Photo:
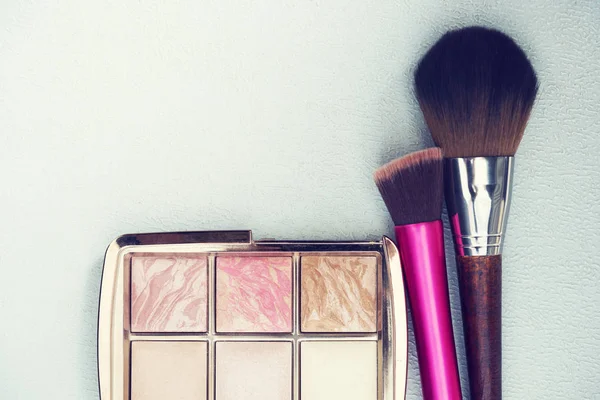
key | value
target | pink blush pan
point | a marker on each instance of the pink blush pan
(254, 294)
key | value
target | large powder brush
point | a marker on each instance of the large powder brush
(476, 88)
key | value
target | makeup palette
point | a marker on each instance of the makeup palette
(219, 316)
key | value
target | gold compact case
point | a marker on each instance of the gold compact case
(219, 316)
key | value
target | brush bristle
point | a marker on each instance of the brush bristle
(476, 88)
(412, 187)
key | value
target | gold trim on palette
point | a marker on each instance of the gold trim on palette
(114, 336)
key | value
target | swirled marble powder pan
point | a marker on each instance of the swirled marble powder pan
(216, 315)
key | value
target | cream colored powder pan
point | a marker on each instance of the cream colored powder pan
(218, 316)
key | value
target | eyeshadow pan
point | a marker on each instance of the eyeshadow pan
(168, 294)
(253, 370)
(338, 294)
(338, 370)
(254, 294)
(168, 370)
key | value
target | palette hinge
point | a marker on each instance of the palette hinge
(190, 237)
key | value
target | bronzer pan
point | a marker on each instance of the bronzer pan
(219, 316)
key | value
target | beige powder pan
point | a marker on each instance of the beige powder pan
(218, 316)
(161, 369)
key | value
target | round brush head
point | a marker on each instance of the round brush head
(412, 187)
(476, 88)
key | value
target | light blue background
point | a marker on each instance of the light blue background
(127, 116)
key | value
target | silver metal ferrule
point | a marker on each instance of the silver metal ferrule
(478, 191)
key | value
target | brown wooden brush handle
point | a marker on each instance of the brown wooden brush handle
(480, 280)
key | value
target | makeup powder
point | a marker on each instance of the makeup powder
(168, 294)
(338, 294)
(168, 370)
(217, 316)
(338, 370)
(253, 370)
(254, 294)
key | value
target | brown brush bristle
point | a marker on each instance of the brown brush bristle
(476, 88)
(412, 187)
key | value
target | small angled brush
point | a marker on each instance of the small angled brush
(412, 189)
(476, 88)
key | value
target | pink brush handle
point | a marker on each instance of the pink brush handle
(423, 260)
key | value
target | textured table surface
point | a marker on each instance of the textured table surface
(129, 116)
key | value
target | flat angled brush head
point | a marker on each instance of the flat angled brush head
(476, 88)
(412, 187)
